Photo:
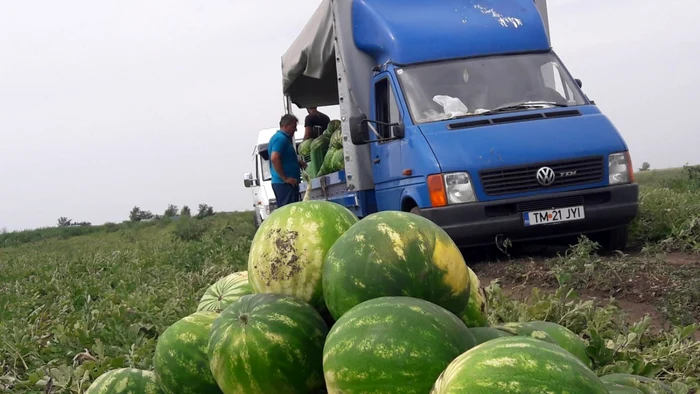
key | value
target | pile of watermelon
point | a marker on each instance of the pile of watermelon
(324, 154)
(386, 304)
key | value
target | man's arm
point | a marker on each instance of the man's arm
(276, 160)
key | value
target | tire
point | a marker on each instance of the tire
(612, 240)
(415, 211)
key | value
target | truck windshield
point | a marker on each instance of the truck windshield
(467, 87)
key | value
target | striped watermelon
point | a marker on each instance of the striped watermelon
(125, 380)
(476, 312)
(561, 335)
(517, 364)
(268, 343)
(629, 382)
(226, 290)
(483, 334)
(180, 361)
(392, 344)
(394, 253)
(288, 250)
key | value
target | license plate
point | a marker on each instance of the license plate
(550, 216)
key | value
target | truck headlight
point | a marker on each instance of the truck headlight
(620, 168)
(458, 188)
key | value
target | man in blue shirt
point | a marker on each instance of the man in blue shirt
(285, 165)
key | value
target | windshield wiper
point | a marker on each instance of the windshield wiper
(510, 107)
(527, 104)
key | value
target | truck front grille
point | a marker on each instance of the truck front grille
(520, 179)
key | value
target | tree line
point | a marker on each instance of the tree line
(137, 215)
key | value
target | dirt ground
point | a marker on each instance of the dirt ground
(642, 284)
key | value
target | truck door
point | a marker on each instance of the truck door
(386, 156)
(257, 198)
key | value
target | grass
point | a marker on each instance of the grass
(669, 218)
(72, 309)
(76, 302)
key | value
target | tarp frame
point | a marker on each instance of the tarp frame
(323, 67)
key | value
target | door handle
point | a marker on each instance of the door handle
(377, 160)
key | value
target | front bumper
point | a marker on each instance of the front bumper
(479, 223)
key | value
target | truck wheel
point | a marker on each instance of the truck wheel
(415, 211)
(612, 240)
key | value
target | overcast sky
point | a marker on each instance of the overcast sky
(107, 105)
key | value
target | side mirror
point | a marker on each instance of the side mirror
(248, 180)
(360, 136)
(578, 82)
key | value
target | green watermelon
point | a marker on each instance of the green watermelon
(476, 312)
(392, 345)
(337, 139)
(304, 149)
(517, 364)
(226, 290)
(268, 343)
(614, 388)
(515, 329)
(180, 361)
(332, 127)
(125, 380)
(643, 384)
(319, 147)
(327, 165)
(562, 336)
(483, 334)
(395, 253)
(289, 248)
(338, 160)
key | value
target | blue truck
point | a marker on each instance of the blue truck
(460, 111)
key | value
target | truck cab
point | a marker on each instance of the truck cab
(260, 180)
(462, 112)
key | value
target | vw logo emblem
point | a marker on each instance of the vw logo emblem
(545, 176)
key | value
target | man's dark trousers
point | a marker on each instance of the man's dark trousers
(285, 193)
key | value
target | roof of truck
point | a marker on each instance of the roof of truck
(404, 32)
(411, 31)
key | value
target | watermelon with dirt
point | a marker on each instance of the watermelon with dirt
(224, 291)
(395, 253)
(125, 380)
(517, 364)
(289, 248)
(181, 363)
(392, 345)
(268, 343)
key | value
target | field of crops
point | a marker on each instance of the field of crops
(77, 302)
